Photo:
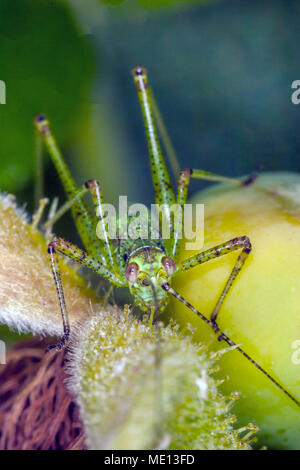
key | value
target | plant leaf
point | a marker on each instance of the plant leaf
(42, 57)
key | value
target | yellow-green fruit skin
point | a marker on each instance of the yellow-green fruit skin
(262, 311)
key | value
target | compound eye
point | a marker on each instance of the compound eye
(132, 272)
(169, 265)
(146, 282)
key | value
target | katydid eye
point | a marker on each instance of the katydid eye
(132, 272)
(169, 265)
(146, 282)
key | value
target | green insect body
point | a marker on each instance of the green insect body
(148, 270)
(145, 265)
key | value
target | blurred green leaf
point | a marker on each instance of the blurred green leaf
(112, 2)
(166, 3)
(47, 67)
(154, 3)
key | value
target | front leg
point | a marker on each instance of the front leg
(213, 253)
(58, 245)
(61, 297)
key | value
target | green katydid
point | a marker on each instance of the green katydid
(145, 266)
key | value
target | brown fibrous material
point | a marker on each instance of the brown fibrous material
(36, 409)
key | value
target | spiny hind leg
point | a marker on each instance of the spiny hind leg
(108, 250)
(163, 191)
(238, 243)
(83, 216)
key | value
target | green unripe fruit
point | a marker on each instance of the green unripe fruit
(262, 311)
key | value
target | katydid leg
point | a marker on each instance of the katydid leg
(223, 337)
(238, 243)
(60, 246)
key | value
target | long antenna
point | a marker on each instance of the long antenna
(223, 337)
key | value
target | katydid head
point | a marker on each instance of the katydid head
(147, 270)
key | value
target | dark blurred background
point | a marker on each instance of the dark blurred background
(222, 75)
(221, 72)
